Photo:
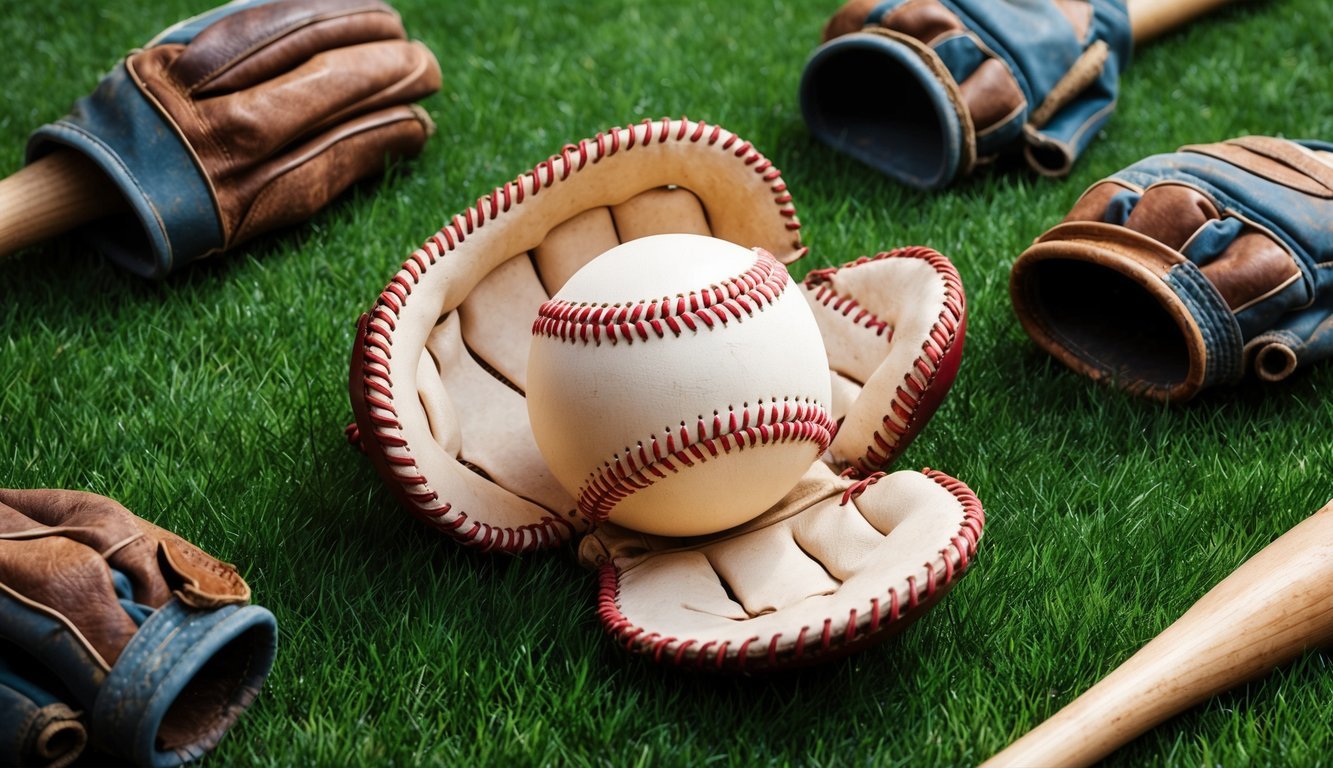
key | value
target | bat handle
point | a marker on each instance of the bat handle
(1153, 18)
(1266, 613)
(53, 195)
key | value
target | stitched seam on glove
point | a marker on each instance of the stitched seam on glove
(278, 34)
(917, 381)
(955, 557)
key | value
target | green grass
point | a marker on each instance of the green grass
(213, 403)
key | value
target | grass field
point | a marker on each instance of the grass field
(214, 402)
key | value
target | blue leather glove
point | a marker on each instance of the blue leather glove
(36, 728)
(1185, 270)
(150, 638)
(926, 90)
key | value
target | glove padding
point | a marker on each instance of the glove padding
(1187, 269)
(438, 373)
(113, 626)
(925, 90)
(244, 119)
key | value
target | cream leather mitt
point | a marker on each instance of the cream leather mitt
(850, 555)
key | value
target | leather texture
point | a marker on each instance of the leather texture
(116, 630)
(1189, 269)
(246, 119)
(927, 90)
(439, 373)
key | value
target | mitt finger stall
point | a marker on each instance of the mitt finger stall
(247, 118)
(113, 628)
(1188, 269)
(925, 90)
(439, 375)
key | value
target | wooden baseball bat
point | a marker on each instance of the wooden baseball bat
(54, 195)
(1152, 18)
(1278, 604)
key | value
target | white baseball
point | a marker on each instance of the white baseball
(678, 385)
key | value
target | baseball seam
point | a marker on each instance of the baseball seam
(899, 423)
(661, 456)
(718, 304)
(834, 633)
(377, 342)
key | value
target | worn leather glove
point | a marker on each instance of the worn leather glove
(244, 119)
(925, 90)
(1187, 269)
(150, 639)
(439, 368)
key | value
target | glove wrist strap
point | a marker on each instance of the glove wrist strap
(140, 151)
(182, 681)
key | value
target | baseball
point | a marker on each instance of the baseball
(678, 385)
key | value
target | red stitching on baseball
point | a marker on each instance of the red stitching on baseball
(639, 467)
(727, 300)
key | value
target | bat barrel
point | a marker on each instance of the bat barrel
(1152, 18)
(1270, 610)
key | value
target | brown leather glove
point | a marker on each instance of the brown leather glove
(249, 117)
(144, 633)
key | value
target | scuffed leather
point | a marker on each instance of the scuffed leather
(927, 90)
(1222, 253)
(268, 109)
(442, 415)
(81, 577)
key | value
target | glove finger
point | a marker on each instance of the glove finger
(97, 522)
(1171, 214)
(573, 243)
(251, 46)
(495, 422)
(1243, 263)
(894, 324)
(72, 581)
(305, 179)
(331, 88)
(988, 89)
(851, 17)
(195, 577)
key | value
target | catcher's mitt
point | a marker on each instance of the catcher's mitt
(244, 119)
(925, 90)
(116, 632)
(438, 375)
(1187, 269)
